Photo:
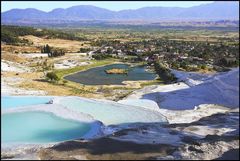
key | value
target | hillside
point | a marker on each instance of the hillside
(213, 11)
(10, 34)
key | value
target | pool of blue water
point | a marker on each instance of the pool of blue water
(113, 114)
(18, 101)
(45, 127)
(35, 126)
(39, 127)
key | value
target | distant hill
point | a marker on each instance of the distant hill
(213, 11)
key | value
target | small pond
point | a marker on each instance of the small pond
(98, 76)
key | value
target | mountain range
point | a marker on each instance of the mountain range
(213, 11)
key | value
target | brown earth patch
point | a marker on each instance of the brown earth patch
(106, 149)
(69, 45)
(20, 49)
(13, 57)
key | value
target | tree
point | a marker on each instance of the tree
(42, 49)
(175, 65)
(183, 65)
(203, 66)
(52, 76)
(101, 56)
(47, 49)
(109, 51)
(163, 72)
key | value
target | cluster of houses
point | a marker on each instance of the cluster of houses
(169, 51)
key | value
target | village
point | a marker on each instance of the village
(188, 56)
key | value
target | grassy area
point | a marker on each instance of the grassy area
(95, 63)
(13, 58)
(79, 88)
(121, 96)
(153, 82)
(64, 87)
(120, 88)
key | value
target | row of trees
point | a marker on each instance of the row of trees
(52, 53)
(84, 50)
(10, 34)
(11, 38)
(46, 49)
(164, 73)
(228, 62)
(101, 56)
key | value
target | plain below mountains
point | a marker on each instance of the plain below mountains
(212, 11)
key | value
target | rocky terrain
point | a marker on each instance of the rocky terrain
(211, 137)
(203, 131)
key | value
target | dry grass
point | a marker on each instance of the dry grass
(13, 57)
(116, 71)
(36, 81)
(207, 71)
(50, 88)
(19, 49)
(58, 89)
(69, 45)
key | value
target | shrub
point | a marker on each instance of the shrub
(65, 81)
(203, 66)
(101, 56)
(52, 76)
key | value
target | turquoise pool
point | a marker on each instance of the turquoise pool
(36, 126)
(17, 101)
(113, 113)
(39, 127)
(79, 118)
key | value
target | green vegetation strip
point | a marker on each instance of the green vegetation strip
(10, 34)
(153, 82)
(95, 63)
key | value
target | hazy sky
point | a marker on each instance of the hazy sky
(112, 5)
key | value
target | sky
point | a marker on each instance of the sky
(111, 5)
